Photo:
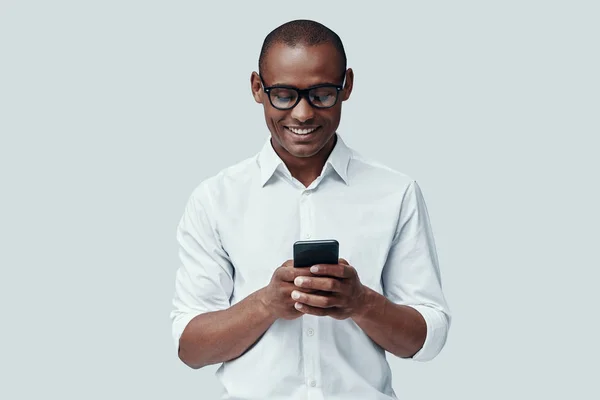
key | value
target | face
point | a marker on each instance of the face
(304, 131)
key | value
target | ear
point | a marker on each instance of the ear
(348, 85)
(256, 87)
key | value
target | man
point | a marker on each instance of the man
(303, 333)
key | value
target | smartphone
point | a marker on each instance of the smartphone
(310, 252)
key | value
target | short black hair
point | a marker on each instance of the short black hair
(301, 32)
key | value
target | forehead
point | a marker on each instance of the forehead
(302, 65)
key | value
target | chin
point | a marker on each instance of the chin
(300, 147)
(304, 150)
(304, 154)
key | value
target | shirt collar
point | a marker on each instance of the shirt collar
(269, 161)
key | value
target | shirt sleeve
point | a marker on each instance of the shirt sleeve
(204, 279)
(411, 275)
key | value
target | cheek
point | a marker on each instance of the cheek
(273, 115)
(332, 117)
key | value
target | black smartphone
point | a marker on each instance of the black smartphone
(310, 252)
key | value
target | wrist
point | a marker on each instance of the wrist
(372, 304)
(263, 303)
(368, 302)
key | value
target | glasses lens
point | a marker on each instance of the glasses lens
(323, 96)
(283, 98)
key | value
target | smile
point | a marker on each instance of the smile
(302, 131)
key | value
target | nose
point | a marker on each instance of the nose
(303, 111)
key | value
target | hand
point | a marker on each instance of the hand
(276, 296)
(337, 291)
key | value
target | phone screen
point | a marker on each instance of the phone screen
(311, 252)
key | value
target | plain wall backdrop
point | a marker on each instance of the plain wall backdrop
(112, 112)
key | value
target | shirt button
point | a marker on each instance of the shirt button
(310, 332)
(307, 236)
(312, 383)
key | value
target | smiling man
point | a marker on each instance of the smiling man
(303, 132)
(281, 332)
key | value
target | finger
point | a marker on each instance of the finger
(333, 312)
(343, 261)
(303, 308)
(315, 300)
(335, 270)
(293, 287)
(325, 284)
(289, 274)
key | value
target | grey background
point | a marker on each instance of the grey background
(111, 112)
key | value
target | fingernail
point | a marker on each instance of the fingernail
(299, 281)
(295, 295)
(314, 268)
(298, 306)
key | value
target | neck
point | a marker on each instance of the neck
(307, 169)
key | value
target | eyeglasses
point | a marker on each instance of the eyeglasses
(287, 97)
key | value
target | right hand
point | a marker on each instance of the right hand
(277, 295)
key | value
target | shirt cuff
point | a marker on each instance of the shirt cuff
(437, 331)
(179, 326)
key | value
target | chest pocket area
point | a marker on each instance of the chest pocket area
(257, 245)
(365, 238)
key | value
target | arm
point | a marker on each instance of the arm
(224, 335)
(221, 336)
(399, 329)
(206, 329)
(420, 317)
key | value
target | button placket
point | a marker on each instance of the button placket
(310, 345)
(308, 207)
(305, 219)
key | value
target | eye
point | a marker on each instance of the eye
(323, 96)
(283, 97)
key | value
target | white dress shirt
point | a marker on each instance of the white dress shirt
(240, 225)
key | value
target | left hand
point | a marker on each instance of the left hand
(340, 294)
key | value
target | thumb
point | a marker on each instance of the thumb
(343, 261)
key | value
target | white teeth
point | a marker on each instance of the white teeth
(302, 131)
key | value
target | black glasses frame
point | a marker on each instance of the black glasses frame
(302, 93)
